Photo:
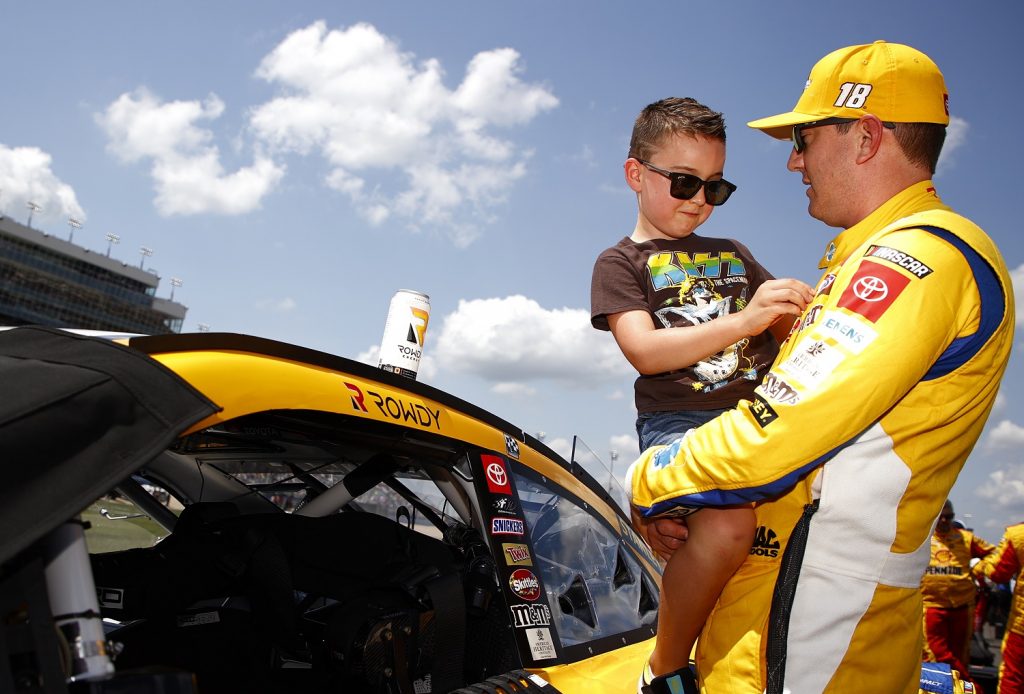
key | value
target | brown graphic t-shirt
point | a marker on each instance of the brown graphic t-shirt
(686, 282)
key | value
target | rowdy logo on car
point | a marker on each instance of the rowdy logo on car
(394, 408)
(524, 584)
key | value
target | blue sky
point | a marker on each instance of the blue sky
(296, 163)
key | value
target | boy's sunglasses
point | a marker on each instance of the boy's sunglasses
(798, 130)
(684, 186)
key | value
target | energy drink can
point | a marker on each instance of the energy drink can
(401, 348)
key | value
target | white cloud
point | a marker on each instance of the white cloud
(956, 136)
(277, 305)
(626, 445)
(1004, 490)
(186, 169)
(1017, 276)
(373, 110)
(515, 339)
(560, 445)
(26, 176)
(1005, 434)
(1000, 404)
(514, 389)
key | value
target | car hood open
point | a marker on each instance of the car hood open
(77, 415)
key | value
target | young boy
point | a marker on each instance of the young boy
(713, 354)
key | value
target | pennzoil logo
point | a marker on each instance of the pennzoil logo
(507, 526)
(516, 554)
(397, 409)
(766, 542)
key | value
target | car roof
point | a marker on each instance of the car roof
(246, 375)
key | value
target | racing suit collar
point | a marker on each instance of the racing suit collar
(916, 198)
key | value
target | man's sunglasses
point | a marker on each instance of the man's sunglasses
(798, 130)
(684, 186)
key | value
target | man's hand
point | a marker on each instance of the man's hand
(664, 535)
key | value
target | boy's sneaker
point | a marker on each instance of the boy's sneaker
(682, 681)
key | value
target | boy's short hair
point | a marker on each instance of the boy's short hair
(673, 116)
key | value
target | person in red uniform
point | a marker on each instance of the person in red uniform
(1002, 565)
(948, 589)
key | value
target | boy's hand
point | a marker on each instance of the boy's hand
(664, 535)
(773, 300)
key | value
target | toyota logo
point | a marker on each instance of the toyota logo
(496, 473)
(870, 289)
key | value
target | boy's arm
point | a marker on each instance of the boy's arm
(654, 351)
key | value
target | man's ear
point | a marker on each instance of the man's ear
(631, 169)
(869, 131)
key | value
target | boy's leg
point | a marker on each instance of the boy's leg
(719, 541)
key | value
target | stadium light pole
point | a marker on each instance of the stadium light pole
(175, 282)
(73, 224)
(32, 208)
(111, 240)
(613, 455)
(144, 252)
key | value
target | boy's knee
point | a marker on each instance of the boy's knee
(733, 530)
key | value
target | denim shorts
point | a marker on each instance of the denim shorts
(660, 428)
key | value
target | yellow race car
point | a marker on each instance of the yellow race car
(326, 527)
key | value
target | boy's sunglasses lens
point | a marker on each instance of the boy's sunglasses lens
(685, 186)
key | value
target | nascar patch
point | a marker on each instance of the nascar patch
(872, 290)
(900, 259)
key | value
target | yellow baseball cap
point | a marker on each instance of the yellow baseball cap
(897, 83)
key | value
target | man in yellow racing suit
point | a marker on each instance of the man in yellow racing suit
(949, 592)
(852, 442)
(1005, 563)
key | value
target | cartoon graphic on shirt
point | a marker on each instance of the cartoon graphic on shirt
(698, 301)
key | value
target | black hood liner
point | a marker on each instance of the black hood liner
(78, 415)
